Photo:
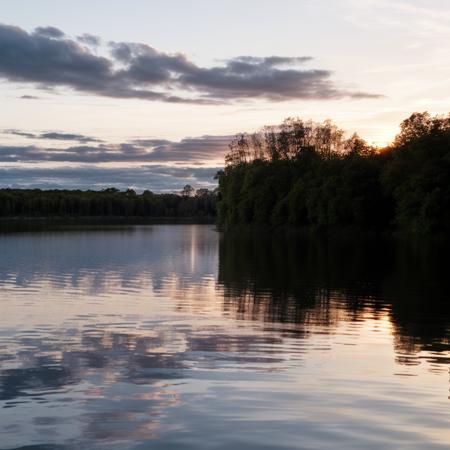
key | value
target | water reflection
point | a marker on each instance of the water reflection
(178, 337)
(318, 280)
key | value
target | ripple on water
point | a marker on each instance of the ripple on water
(169, 337)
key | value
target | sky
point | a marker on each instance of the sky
(148, 94)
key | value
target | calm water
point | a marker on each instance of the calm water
(177, 337)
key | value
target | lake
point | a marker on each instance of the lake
(180, 337)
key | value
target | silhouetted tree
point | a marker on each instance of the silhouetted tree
(306, 173)
(417, 175)
(187, 191)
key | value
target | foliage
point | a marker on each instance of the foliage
(418, 173)
(108, 202)
(305, 173)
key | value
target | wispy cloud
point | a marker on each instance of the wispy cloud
(47, 58)
(29, 97)
(197, 150)
(53, 135)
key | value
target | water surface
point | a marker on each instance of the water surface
(178, 337)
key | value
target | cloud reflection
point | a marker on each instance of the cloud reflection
(146, 333)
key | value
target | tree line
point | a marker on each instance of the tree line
(303, 173)
(200, 203)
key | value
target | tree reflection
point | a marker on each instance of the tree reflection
(311, 280)
(109, 337)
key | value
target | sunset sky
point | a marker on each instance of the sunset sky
(146, 94)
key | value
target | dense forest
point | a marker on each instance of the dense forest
(302, 173)
(107, 203)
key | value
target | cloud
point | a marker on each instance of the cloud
(89, 39)
(252, 77)
(53, 135)
(199, 149)
(47, 58)
(156, 177)
(189, 150)
(29, 97)
(21, 134)
(49, 32)
(156, 164)
(67, 137)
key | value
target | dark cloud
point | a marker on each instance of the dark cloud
(151, 142)
(156, 178)
(193, 149)
(22, 134)
(89, 39)
(53, 135)
(188, 150)
(48, 59)
(67, 137)
(50, 32)
(29, 97)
